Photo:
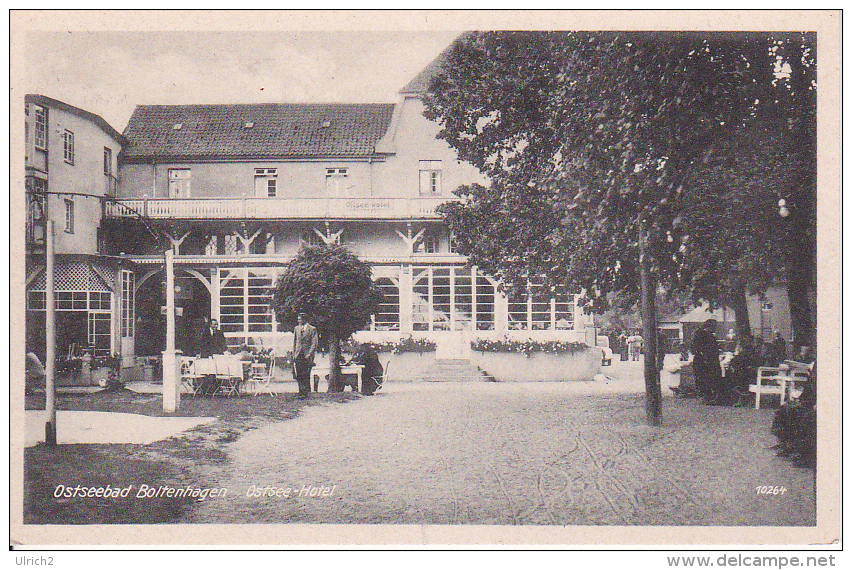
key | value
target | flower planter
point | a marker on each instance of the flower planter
(582, 364)
(407, 366)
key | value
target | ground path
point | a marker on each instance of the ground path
(503, 453)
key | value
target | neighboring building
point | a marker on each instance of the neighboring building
(71, 168)
(766, 315)
(236, 190)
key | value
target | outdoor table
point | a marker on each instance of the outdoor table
(323, 372)
(231, 373)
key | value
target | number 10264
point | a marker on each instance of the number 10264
(770, 490)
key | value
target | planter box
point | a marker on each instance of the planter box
(407, 366)
(540, 366)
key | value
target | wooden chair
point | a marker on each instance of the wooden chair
(380, 380)
(190, 381)
(769, 381)
(261, 380)
(228, 386)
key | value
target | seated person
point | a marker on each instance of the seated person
(744, 365)
(368, 358)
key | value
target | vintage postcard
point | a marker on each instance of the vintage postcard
(425, 278)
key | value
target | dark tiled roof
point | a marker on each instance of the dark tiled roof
(420, 84)
(286, 130)
(56, 104)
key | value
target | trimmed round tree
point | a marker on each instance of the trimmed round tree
(335, 290)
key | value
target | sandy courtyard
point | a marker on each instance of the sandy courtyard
(500, 453)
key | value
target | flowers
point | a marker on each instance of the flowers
(527, 347)
(408, 344)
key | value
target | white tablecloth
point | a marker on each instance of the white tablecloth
(232, 367)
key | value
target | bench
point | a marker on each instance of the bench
(775, 380)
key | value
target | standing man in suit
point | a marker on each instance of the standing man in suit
(212, 341)
(305, 340)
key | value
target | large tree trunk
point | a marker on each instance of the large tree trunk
(799, 280)
(334, 381)
(801, 223)
(740, 307)
(653, 395)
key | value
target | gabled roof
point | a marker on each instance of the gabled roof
(420, 84)
(51, 103)
(269, 130)
(698, 315)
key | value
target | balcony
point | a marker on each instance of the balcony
(277, 208)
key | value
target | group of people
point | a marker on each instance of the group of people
(630, 346)
(741, 359)
(211, 341)
(305, 343)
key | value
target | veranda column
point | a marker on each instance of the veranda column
(171, 375)
(214, 295)
(501, 311)
(406, 295)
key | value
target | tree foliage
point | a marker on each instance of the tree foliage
(584, 135)
(335, 289)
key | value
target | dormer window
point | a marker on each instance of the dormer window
(177, 126)
(335, 181)
(430, 177)
(265, 182)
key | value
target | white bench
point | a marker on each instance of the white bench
(769, 381)
(776, 380)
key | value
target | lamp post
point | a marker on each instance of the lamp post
(50, 340)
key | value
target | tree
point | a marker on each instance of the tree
(335, 289)
(596, 134)
(731, 232)
(740, 238)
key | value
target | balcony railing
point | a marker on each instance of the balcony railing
(276, 208)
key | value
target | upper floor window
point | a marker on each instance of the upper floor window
(40, 127)
(265, 182)
(312, 238)
(430, 244)
(107, 161)
(335, 180)
(38, 185)
(452, 243)
(68, 146)
(430, 177)
(69, 216)
(180, 183)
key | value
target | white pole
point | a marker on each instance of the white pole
(171, 383)
(50, 341)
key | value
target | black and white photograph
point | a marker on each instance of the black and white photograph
(420, 278)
